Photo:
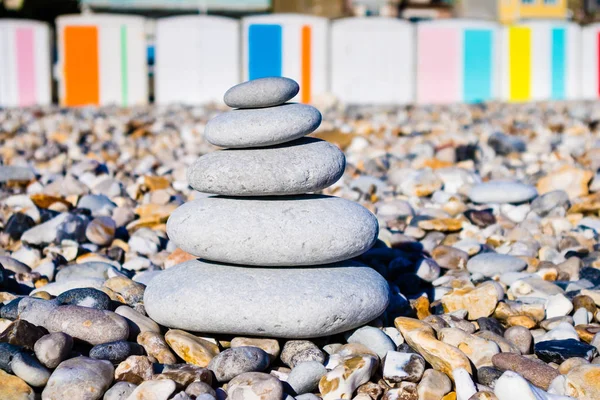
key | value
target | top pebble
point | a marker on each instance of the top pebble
(263, 92)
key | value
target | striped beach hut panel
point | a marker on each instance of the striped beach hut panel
(291, 45)
(372, 61)
(541, 61)
(457, 61)
(197, 59)
(590, 62)
(102, 60)
(25, 72)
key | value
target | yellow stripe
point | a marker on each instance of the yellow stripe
(519, 43)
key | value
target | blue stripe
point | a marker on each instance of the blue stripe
(477, 73)
(264, 51)
(558, 63)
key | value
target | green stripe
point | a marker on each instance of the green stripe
(124, 83)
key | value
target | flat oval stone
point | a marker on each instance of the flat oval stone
(490, 264)
(263, 92)
(290, 231)
(262, 127)
(207, 297)
(305, 165)
(502, 192)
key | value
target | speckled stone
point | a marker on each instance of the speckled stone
(262, 92)
(79, 378)
(85, 297)
(333, 299)
(53, 348)
(290, 231)
(296, 352)
(302, 166)
(262, 127)
(116, 352)
(233, 362)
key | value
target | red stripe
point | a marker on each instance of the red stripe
(598, 63)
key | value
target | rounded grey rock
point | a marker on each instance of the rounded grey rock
(53, 348)
(79, 378)
(305, 165)
(29, 369)
(502, 192)
(263, 92)
(372, 338)
(491, 264)
(88, 324)
(305, 377)
(208, 297)
(268, 232)
(232, 362)
(262, 127)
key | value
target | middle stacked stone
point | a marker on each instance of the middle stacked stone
(262, 217)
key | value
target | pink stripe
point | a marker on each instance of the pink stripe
(438, 65)
(25, 66)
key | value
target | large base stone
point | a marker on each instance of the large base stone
(289, 303)
(273, 231)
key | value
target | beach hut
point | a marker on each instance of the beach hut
(541, 61)
(102, 60)
(197, 59)
(25, 74)
(372, 61)
(590, 62)
(291, 45)
(456, 61)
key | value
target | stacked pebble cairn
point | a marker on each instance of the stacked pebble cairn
(272, 258)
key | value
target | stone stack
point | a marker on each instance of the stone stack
(272, 258)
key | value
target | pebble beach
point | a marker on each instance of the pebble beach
(448, 252)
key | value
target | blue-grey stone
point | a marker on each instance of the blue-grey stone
(98, 204)
(85, 297)
(303, 166)
(289, 302)
(7, 353)
(263, 92)
(80, 377)
(305, 377)
(232, 362)
(10, 173)
(262, 127)
(558, 351)
(11, 309)
(116, 352)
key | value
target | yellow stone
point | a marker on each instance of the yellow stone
(441, 224)
(479, 302)
(14, 388)
(583, 382)
(521, 320)
(572, 180)
(450, 396)
(190, 348)
(405, 325)
(421, 306)
(44, 200)
(156, 182)
(178, 256)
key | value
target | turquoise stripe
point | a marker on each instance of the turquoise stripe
(124, 69)
(558, 63)
(264, 51)
(477, 73)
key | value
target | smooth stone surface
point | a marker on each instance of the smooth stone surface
(262, 127)
(15, 173)
(535, 371)
(14, 388)
(490, 264)
(400, 367)
(374, 339)
(512, 386)
(502, 192)
(53, 348)
(264, 301)
(79, 378)
(29, 369)
(262, 92)
(88, 324)
(233, 362)
(302, 166)
(137, 322)
(304, 378)
(154, 390)
(255, 385)
(119, 391)
(291, 231)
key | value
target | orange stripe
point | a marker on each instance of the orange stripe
(306, 63)
(82, 83)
